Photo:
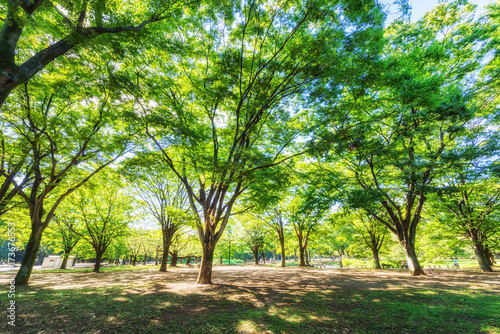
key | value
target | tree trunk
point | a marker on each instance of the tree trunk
(283, 259)
(174, 258)
(145, 260)
(64, 262)
(482, 259)
(24, 273)
(98, 257)
(164, 259)
(376, 259)
(302, 252)
(205, 274)
(188, 260)
(489, 256)
(134, 260)
(255, 251)
(263, 257)
(411, 258)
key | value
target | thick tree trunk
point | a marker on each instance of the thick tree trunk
(283, 259)
(24, 272)
(188, 260)
(255, 251)
(174, 258)
(302, 262)
(376, 259)
(489, 256)
(411, 258)
(64, 262)
(164, 259)
(134, 260)
(98, 257)
(482, 259)
(205, 274)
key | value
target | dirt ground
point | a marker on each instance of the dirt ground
(258, 299)
(255, 276)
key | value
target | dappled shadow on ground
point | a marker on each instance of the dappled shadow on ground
(261, 300)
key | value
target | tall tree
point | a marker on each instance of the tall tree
(103, 214)
(70, 137)
(222, 112)
(164, 195)
(399, 122)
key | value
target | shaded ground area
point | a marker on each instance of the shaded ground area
(259, 300)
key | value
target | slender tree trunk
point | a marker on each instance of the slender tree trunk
(145, 260)
(482, 259)
(302, 257)
(263, 257)
(283, 259)
(134, 260)
(24, 272)
(173, 259)
(205, 273)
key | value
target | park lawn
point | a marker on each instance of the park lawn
(257, 300)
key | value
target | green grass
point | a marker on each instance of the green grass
(254, 309)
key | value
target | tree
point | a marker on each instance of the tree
(222, 111)
(399, 123)
(70, 137)
(64, 226)
(164, 195)
(277, 222)
(66, 25)
(104, 213)
(135, 241)
(254, 237)
(468, 194)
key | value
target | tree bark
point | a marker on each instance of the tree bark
(164, 259)
(283, 259)
(412, 259)
(98, 258)
(482, 259)
(24, 273)
(376, 259)
(134, 260)
(205, 274)
(188, 260)
(145, 259)
(255, 251)
(64, 263)
(302, 262)
(173, 259)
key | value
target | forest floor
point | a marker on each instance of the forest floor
(257, 299)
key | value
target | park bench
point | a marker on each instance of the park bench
(387, 266)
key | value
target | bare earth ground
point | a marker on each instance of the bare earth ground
(271, 300)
